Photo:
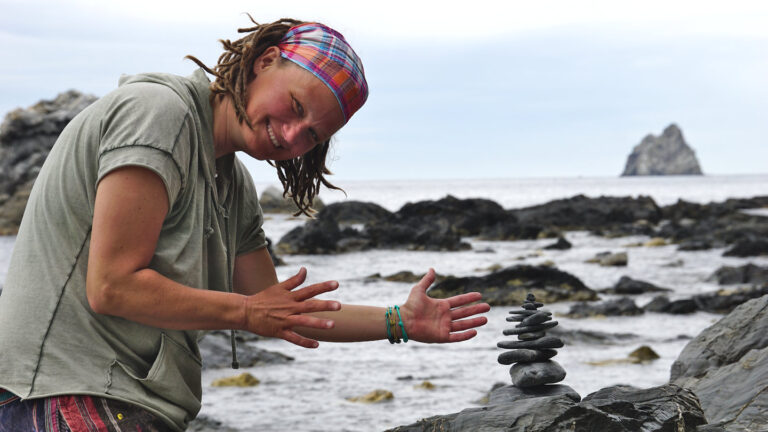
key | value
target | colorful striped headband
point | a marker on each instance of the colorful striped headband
(324, 52)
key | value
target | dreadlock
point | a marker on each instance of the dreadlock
(301, 177)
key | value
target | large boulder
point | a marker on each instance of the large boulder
(726, 365)
(667, 154)
(466, 217)
(332, 232)
(746, 274)
(628, 286)
(721, 301)
(620, 307)
(26, 138)
(511, 285)
(584, 213)
(612, 409)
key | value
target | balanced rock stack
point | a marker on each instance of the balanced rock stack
(532, 352)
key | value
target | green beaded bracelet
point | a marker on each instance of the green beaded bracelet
(390, 338)
(400, 323)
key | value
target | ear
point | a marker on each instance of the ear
(270, 57)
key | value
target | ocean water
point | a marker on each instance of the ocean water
(310, 393)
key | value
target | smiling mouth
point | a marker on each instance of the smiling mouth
(272, 136)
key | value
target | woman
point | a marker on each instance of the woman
(143, 229)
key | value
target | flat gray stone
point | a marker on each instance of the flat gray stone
(537, 318)
(518, 329)
(525, 356)
(510, 393)
(522, 312)
(531, 336)
(536, 374)
(545, 342)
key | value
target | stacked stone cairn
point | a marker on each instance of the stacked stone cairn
(531, 354)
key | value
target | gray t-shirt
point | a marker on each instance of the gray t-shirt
(52, 342)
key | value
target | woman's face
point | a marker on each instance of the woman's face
(290, 109)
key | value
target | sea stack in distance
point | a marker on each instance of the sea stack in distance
(667, 154)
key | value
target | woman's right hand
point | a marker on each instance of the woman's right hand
(276, 310)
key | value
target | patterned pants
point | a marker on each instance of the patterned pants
(74, 413)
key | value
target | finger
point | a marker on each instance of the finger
(463, 299)
(468, 324)
(466, 311)
(427, 280)
(295, 280)
(299, 340)
(309, 306)
(310, 321)
(460, 337)
(314, 290)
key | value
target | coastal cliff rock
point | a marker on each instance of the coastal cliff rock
(26, 138)
(726, 366)
(667, 154)
(272, 200)
(618, 408)
(509, 286)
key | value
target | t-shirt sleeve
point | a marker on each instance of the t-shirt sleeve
(143, 127)
(250, 233)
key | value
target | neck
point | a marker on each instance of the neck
(222, 112)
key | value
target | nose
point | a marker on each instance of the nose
(296, 133)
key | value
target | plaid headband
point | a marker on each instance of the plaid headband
(324, 52)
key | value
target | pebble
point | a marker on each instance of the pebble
(525, 356)
(545, 342)
(534, 374)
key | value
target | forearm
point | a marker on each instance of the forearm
(353, 323)
(147, 297)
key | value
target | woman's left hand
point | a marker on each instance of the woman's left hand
(432, 320)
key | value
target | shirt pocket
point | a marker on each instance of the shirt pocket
(174, 375)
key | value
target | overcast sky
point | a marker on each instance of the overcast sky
(495, 89)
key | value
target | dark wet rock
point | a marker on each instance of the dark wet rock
(662, 304)
(560, 244)
(722, 301)
(272, 200)
(216, 352)
(26, 138)
(510, 231)
(276, 260)
(644, 354)
(704, 226)
(405, 276)
(531, 336)
(355, 212)
(318, 236)
(666, 154)
(620, 307)
(325, 235)
(536, 373)
(204, 423)
(547, 342)
(608, 259)
(391, 235)
(583, 213)
(510, 286)
(726, 365)
(613, 409)
(746, 274)
(593, 337)
(748, 247)
(629, 286)
(465, 217)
